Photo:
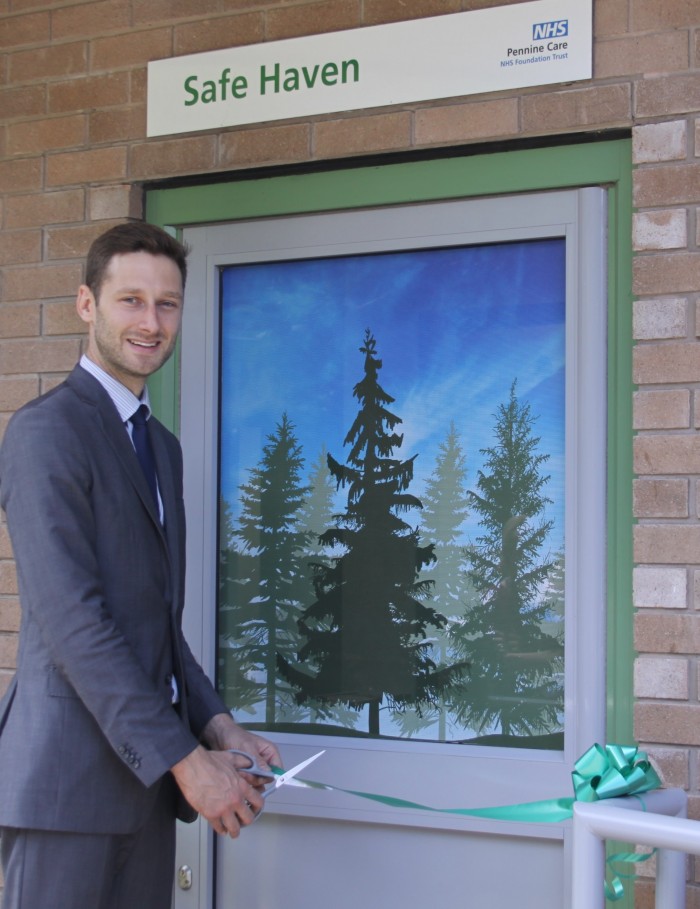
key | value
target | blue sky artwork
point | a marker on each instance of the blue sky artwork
(454, 327)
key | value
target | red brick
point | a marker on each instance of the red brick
(62, 319)
(649, 15)
(662, 409)
(152, 12)
(576, 109)
(48, 208)
(118, 125)
(466, 122)
(666, 544)
(672, 183)
(25, 101)
(139, 85)
(223, 32)
(49, 382)
(667, 454)
(356, 135)
(40, 356)
(14, 392)
(89, 93)
(8, 651)
(672, 765)
(243, 148)
(313, 18)
(41, 283)
(47, 62)
(666, 273)
(20, 247)
(666, 363)
(32, 28)
(610, 17)
(21, 175)
(90, 19)
(132, 48)
(661, 499)
(667, 95)
(9, 614)
(173, 156)
(20, 321)
(73, 242)
(97, 165)
(654, 142)
(115, 202)
(58, 132)
(484, 4)
(5, 679)
(378, 11)
(667, 723)
(645, 54)
(5, 545)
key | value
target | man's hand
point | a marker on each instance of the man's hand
(214, 782)
(222, 733)
(213, 786)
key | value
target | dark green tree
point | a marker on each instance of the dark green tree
(366, 632)
(315, 516)
(266, 580)
(514, 663)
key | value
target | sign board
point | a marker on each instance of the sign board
(506, 47)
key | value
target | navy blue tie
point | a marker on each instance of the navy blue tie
(144, 453)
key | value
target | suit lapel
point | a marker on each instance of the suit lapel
(166, 484)
(108, 422)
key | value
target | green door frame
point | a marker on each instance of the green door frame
(605, 163)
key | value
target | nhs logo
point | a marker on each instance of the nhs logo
(556, 29)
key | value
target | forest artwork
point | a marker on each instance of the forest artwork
(392, 450)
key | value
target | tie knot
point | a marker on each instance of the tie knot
(140, 416)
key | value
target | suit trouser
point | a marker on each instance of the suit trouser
(55, 870)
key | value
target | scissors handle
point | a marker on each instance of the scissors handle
(252, 767)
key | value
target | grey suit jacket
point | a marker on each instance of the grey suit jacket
(87, 728)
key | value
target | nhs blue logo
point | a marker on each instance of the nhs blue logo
(556, 29)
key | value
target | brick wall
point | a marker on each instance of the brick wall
(73, 153)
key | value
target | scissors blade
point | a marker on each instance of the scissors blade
(289, 775)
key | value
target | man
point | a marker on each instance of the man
(110, 728)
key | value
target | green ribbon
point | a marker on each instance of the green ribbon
(601, 773)
(606, 773)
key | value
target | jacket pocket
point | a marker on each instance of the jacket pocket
(58, 685)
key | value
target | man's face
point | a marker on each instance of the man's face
(134, 324)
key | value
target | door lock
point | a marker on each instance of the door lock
(184, 877)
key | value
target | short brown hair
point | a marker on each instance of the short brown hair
(134, 236)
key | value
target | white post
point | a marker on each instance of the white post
(656, 819)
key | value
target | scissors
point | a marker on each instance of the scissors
(275, 775)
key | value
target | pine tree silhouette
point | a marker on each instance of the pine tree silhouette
(366, 631)
(266, 580)
(238, 677)
(514, 663)
(315, 515)
(445, 508)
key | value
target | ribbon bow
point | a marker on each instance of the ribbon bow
(605, 773)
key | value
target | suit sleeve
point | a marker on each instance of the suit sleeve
(47, 477)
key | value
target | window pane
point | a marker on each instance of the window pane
(392, 455)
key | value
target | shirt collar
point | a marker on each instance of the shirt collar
(124, 400)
